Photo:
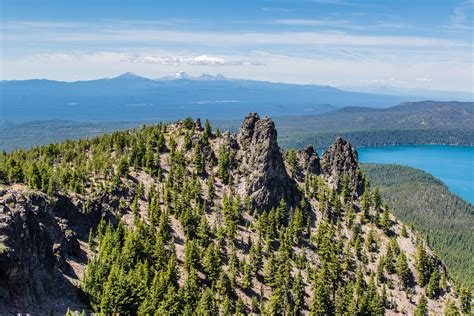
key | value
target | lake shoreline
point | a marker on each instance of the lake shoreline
(453, 165)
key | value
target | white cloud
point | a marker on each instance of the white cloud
(180, 60)
(424, 79)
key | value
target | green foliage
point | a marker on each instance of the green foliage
(421, 200)
(451, 309)
(423, 265)
(422, 307)
(466, 300)
(403, 271)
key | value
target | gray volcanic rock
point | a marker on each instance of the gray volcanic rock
(247, 129)
(265, 179)
(308, 162)
(339, 161)
(34, 247)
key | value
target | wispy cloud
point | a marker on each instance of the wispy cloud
(276, 9)
(335, 2)
(340, 24)
(313, 22)
(158, 36)
(462, 17)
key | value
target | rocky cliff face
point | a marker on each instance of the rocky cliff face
(341, 161)
(35, 245)
(41, 257)
(265, 179)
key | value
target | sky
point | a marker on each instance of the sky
(409, 44)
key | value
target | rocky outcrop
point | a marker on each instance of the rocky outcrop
(34, 247)
(307, 162)
(341, 161)
(263, 174)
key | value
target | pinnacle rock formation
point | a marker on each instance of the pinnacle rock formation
(266, 180)
(308, 162)
(339, 161)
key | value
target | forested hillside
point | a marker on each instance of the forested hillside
(426, 122)
(182, 219)
(418, 198)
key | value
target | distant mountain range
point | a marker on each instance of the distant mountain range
(131, 97)
(424, 94)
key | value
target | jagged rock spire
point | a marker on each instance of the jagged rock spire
(339, 161)
(247, 129)
(308, 162)
(265, 179)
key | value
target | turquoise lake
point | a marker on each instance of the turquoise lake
(454, 165)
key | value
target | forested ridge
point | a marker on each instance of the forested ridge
(182, 219)
(420, 199)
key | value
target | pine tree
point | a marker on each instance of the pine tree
(256, 257)
(292, 160)
(365, 205)
(465, 297)
(204, 232)
(385, 220)
(321, 303)
(198, 160)
(269, 270)
(191, 255)
(404, 231)
(433, 285)
(375, 304)
(34, 177)
(298, 293)
(389, 260)
(451, 309)
(297, 226)
(380, 270)
(211, 263)
(211, 191)
(122, 167)
(207, 129)
(403, 271)
(422, 307)
(247, 275)
(377, 200)
(275, 303)
(423, 267)
(206, 305)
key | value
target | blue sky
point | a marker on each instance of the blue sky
(424, 44)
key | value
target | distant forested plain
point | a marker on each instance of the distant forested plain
(31, 134)
(426, 122)
(420, 199)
